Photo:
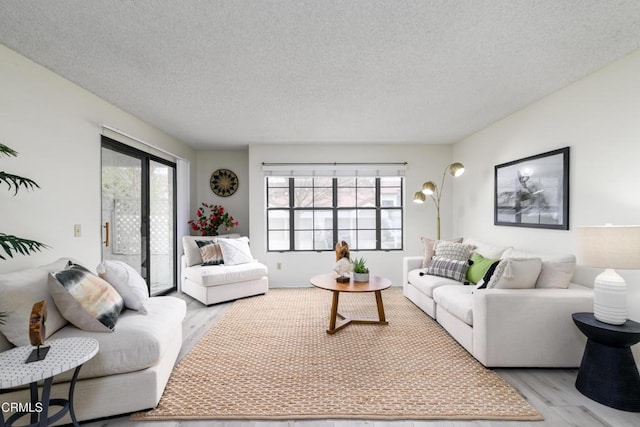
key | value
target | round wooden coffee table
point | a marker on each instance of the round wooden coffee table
(375, 284)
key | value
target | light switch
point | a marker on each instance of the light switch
(77, 230)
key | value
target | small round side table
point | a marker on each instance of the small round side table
(64, 354)
(608, 373)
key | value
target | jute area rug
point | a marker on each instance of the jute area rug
(269, 357)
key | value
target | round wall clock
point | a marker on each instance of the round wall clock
(223, 182)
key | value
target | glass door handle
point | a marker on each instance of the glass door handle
(106, 234)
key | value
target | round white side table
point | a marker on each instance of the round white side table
(64, 354)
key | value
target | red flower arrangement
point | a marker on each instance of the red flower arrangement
(210, 218)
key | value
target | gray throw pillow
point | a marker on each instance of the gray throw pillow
(450, 268)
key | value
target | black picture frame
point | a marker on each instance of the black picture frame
(533, 191)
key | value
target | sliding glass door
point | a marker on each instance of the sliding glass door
(162, 230)
(139, 213)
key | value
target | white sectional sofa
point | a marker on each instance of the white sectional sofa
(507, 327)
(133, 364)
(212, 284)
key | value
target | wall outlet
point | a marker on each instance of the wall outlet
(77, 230)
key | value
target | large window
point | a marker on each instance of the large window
(312, 214)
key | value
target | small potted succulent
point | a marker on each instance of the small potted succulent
(360, 270)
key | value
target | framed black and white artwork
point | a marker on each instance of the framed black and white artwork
(534, 191)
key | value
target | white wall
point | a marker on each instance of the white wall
(237, 204)
(424, 163)
(599, 118)
(54, 125)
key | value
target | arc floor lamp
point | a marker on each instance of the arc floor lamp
(430, 188)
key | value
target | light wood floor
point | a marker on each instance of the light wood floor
(551, 391)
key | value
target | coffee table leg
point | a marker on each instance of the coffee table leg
(334, 312)
(381, 315)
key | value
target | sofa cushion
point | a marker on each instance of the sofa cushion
(84, 299)
(516, 273)
(426, 283)
(557, 270)
(137, 343)
(19, 291)
(429, 249)
(451, 268)
(457, 300)
(4, 343)
(485, 249)
(224, 274)
(128, 282)
(192, 251)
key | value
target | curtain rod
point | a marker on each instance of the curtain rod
(148, 144)
(336, 164)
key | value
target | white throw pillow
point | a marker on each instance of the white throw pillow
(128, 282)
(192, 254)
(516, 273)
(18, 292)
(557, 270)
(485, 249)
(453, 250)
(235, 251)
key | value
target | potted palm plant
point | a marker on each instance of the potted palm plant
(9, 243)
(360, 270)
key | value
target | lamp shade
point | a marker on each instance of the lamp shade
(610, 246)
(428, 188)
(456, 169)
(418, 197)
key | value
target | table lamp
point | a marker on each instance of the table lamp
(610, 247)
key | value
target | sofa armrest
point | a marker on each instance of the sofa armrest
(410, 263)
(529, 327)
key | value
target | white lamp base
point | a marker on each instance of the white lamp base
(610, 298)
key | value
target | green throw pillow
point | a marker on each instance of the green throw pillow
(479, 267)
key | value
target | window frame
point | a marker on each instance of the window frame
(335, 209)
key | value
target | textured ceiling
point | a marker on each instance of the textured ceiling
(237, 72)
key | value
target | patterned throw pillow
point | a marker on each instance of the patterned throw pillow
(211, 252)
(450, 268)
(85, 300)
(453, 250)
